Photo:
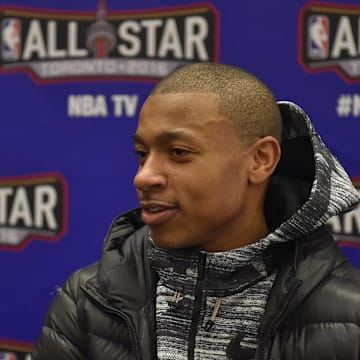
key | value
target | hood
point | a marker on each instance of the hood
(309, 184)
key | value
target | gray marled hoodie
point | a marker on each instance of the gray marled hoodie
(205, 299)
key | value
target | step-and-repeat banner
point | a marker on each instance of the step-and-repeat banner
(73, 76)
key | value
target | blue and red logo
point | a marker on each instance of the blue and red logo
(318, 45)
(5, 355)
(11, 39)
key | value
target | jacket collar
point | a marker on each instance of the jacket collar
(125, 284)
(125, 278)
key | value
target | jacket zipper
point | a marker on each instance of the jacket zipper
(111, 310)
(274, 325)
(197, 306)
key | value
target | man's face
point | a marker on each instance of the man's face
(192, 179)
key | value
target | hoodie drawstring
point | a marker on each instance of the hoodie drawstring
(175, 301)
(210, 323)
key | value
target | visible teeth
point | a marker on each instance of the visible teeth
(156, 209)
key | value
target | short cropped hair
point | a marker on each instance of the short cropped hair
(243, 98)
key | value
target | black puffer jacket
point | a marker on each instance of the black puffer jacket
(106, 311)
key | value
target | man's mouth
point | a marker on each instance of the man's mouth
(155, 209)
(154, 213)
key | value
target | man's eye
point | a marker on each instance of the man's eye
(140, 154)
(179, 151)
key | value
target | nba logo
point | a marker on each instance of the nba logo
(7, 356)
(10, 40)
(318, 37)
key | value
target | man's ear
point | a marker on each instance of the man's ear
(266, 154)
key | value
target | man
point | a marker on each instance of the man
(229, 255)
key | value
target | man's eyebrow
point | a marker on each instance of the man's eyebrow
(165, 136)
(137, 139)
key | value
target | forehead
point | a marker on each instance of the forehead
(180, 104)
(180, 110)
(188, 115)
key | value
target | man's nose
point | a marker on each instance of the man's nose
(150, 174)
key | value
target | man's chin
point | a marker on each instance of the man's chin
(169, 244)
